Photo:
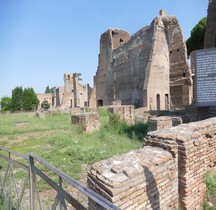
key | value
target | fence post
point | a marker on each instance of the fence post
(31, 176)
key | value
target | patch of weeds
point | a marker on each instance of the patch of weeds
(210, 204)
(211, 183)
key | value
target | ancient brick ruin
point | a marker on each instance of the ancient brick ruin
(148, 69)
(75, 94)
(159, 123)
(210, 35)
(125, 112)
(168, 173)
(44, 97)
(88, 122)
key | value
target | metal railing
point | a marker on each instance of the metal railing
(12, 193)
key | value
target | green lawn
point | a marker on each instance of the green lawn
(64, 145)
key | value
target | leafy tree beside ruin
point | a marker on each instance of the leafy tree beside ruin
(23, 99)
(17, 99)
(5, 103)
(196, 40)
(30, 100)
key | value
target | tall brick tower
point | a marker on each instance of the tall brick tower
(210, 35)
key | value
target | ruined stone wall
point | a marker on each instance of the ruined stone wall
(210, 35)
(176, 159)
(109, 40)
(126, 112)
(180, 73)
(44, 97)
(142, 179)
(194, 144)
(137, 70)
(92, 98)
(88, 122)
(128, 69)
(75, 94)
(59, 95)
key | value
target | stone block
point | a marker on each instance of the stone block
(88, 122)
(158, 123)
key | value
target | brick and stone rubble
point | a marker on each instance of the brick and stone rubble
(159, 123)
(88, 122)
(195, 146)
(141, 179)
(168, 173)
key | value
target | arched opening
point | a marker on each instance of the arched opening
(71, 103)
(158, 102)
(100, 102)
(166, 102)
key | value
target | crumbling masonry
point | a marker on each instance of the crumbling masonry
(210, 35)
(148, 69)
(168, 173)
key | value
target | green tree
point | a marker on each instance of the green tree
(5, 103)
(45, 105)
(48, 90)
(17, 99)
(196, 40)
(30, 100)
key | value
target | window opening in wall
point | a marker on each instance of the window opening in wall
(184, 74)
(215, 40)
(113, 33)
(71, 105)
(170, 52)
(158, 102)
(166, 102)
(68, 77)
(177, 50)
(100, 102)
(121, 41)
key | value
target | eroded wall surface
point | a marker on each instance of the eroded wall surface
(170, 169)
(76, 94)
(145, 69)
(210, 35)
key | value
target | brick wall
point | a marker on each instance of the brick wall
(126, 112)
(142, 179)
(194, 144)
(87, 121)
(169, 170)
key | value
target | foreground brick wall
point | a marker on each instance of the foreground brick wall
(169, 170)
(142, 179)
(195, 146)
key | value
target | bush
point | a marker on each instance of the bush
(45, 105)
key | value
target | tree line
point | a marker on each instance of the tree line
(22, 99)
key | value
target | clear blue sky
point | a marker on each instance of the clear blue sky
(42, 39)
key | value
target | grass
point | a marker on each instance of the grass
(211, 190)
(64, 145)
